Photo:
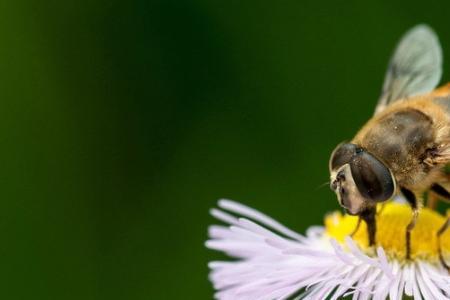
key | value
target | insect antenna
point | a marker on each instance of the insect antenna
(327, 183)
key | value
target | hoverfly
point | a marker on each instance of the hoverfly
(405, 147)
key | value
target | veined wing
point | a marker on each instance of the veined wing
(415, 67)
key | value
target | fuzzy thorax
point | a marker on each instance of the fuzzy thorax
(391, 227)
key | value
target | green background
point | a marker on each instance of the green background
(122, 123)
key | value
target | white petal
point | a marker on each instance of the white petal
(278, 264)
(428, 286)
(251, 213)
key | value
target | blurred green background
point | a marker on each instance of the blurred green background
(122, 123)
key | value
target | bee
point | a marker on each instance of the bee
(405, 147)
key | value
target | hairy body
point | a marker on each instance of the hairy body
(412, 138)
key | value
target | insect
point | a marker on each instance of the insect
(405, 147)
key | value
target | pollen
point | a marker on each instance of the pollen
(392, 220)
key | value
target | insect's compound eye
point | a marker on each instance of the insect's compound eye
(342, 155)
(372, 178)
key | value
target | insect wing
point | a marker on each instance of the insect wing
(415, 68)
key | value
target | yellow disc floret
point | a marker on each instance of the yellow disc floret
(391, 227)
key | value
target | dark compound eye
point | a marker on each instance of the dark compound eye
(372, 177)
(342, 155)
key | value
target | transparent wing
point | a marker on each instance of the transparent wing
(415, 67)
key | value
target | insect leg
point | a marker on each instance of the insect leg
(439, 233)
(412, 200)
(441, 191)
(357, 227)
(374, 225)
(432, 200)
(369, 217)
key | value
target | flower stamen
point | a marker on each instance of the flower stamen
(391, 229)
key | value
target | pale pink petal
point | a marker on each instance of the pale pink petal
(278, 264)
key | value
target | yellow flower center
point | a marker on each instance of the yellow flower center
(391, 228)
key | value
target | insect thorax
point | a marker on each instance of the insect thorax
(401, 140)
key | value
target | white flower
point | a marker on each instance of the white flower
(273, 262)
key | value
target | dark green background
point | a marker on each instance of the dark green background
(122, 123)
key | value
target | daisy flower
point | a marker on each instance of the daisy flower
(271, 261)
